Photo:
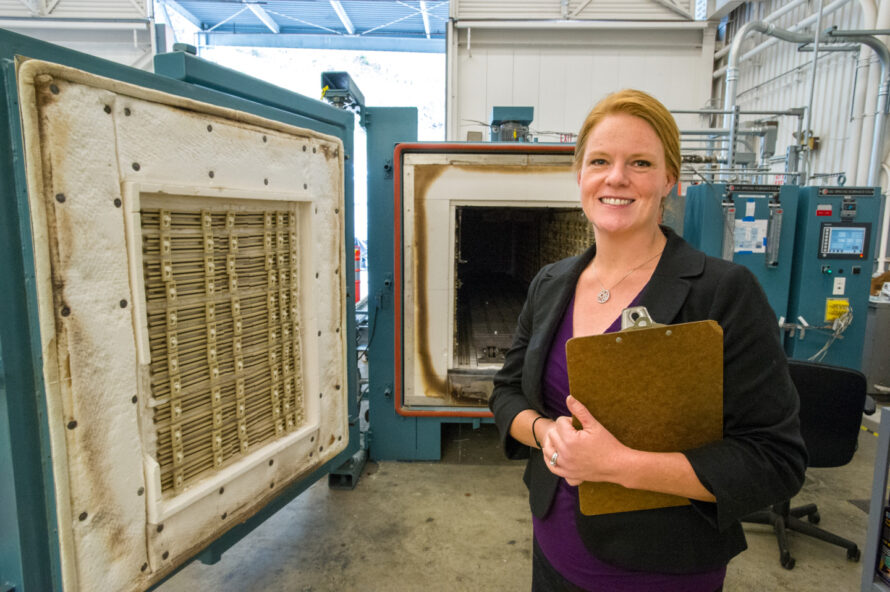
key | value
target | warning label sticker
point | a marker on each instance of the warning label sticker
(835, 308)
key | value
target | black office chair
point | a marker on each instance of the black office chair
(832, 400)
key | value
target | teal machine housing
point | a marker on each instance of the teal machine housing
(752, 225)
(391, 435)
(30, 542)
(837, 229)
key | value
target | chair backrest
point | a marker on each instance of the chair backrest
(832, 399)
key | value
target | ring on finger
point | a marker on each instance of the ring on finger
(553, 459)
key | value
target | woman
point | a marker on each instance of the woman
(627, 159)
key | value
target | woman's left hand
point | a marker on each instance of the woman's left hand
(589, 454)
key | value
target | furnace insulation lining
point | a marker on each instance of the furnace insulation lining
(93, 147)
(435, 185)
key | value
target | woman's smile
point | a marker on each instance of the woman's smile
(623, 177)
(616, 201)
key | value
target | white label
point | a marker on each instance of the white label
(749, 208)
(840, 284)
(750, 236)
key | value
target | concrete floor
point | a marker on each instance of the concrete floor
(463, 524)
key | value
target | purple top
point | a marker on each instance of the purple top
(557, 535)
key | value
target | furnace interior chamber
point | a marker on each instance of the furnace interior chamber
(478, 225)
(499, 251)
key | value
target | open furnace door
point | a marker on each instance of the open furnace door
(191, 303)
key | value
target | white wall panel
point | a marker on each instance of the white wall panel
(18, 8)
(563, 72)
(526, 64)
(117, 30)
(79, 9)
(499, 79)
(552, 102)
(580, 92)
(506, 9)
(581, 9)
(130, 43)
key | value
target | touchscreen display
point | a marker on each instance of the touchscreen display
(844, 240)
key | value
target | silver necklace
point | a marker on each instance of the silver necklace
(606, 293)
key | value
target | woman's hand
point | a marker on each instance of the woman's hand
(589, 454)
(594, 454)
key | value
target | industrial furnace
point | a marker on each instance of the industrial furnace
(176, 344)
(477, 222)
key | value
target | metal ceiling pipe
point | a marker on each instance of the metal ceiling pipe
(863, 37)
(805, 169)
(877, 145)
(836, 5)
(732, 71)
(885, 230)
(767, 19)
(869, 18)
(882, 20)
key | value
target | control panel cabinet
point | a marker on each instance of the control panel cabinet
(752, 225)
(834, 258)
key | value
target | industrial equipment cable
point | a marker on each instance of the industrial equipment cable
(839, 325)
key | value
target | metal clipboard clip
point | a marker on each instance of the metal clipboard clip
(637, 317)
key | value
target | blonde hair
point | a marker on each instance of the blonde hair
(646, 107)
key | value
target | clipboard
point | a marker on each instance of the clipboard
(655, 387)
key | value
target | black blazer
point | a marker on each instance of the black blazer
(761, 459)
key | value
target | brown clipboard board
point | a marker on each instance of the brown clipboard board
(657, 388)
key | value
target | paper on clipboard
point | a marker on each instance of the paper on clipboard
(658, 388)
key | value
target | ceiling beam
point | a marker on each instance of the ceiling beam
(296, 40)
(31, 5)
(670, 5)
(228, 18)
(178, 8)
(426, 18)
(344, 18)
(261, 14)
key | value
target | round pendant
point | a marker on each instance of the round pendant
(603, 296)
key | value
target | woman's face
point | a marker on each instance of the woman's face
(623, 176)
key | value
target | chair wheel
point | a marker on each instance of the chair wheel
(853, 554)
(787, 560)
(814, 518)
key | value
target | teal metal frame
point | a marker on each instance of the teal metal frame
(29, 545)
(813, 276)
(392, 436)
